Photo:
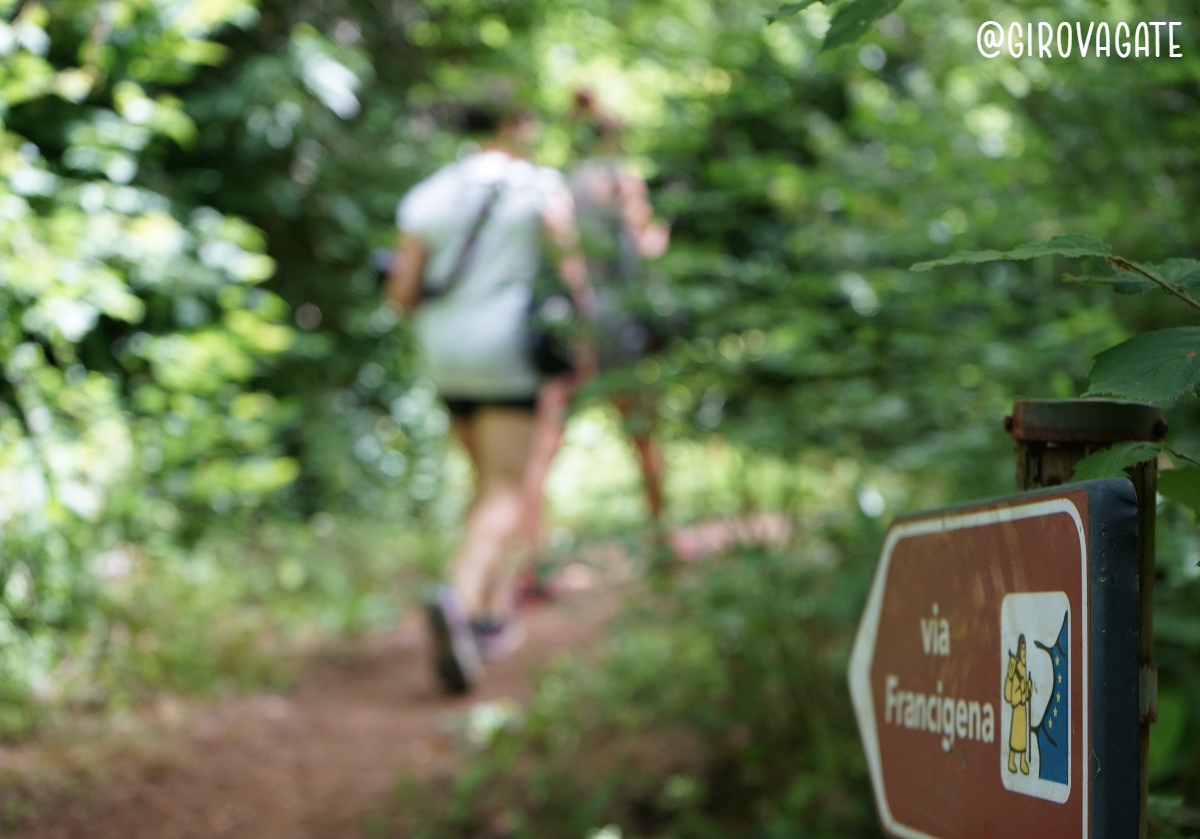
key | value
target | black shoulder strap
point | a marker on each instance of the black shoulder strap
(464, 255)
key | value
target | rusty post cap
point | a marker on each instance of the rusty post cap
(1085, 421)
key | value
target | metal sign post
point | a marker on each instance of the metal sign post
(1052, 437)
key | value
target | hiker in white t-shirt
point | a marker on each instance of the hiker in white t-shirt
(470, 240)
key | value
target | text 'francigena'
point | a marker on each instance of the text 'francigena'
(937, 714)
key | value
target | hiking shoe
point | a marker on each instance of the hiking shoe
(456, 659)
(497, 639)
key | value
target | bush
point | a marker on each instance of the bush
(719, 708)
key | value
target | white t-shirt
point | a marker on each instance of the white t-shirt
(473, 338)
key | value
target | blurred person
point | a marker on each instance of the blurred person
(470, 241)
(617, 231)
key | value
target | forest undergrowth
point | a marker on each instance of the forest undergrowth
(718, 707)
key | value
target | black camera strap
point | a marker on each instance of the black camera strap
(464, 255)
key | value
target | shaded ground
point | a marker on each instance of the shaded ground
(316, 763)
(308, 765)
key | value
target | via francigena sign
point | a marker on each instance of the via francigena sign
(995, 670)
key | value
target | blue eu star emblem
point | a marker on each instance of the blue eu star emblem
(1053, 731)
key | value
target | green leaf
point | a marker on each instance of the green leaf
(1117, 279)
(1113, 461)
(853, 19)
(1178, 273)
(789, 9)
(1183, 274)
(1169, 746)
(201, 52)
(1182, 486)
(1153, 367)
(1123, 282)
(1074, 246)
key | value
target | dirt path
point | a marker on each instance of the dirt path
(313, 764)
(319, 762)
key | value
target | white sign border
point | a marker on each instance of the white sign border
(863, 654)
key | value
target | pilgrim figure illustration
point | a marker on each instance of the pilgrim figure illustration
(1018, 689)
(1035, 712)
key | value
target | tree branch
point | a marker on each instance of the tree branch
(1126, 265)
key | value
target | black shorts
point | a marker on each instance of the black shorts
(467, 408)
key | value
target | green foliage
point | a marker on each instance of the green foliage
(853, 18)
(1183, 274)
(221, 614)
(715, 710)
(310, 135)
(789, 9)
(1182, 486)
(195, 354)
(1130, 278)
(131, 327)
(1176, 639)
(1154, 367)
(1113, 461)
(1070, 246)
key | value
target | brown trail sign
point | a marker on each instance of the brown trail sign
(995, 671)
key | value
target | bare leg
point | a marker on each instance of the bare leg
(464, 432)
(641, 409)
(553, 400)
(502, 439)
(650, 458)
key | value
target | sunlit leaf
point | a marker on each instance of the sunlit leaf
(789, 9)
(854, 18)
(1154, 367)
(325, 72)
(201, 52)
